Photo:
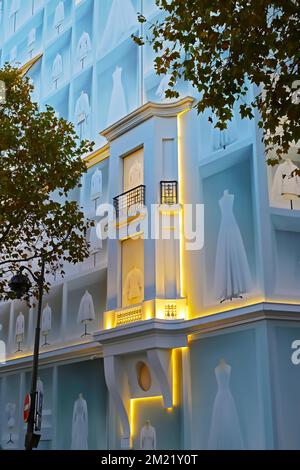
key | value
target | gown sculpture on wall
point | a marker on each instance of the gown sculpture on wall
(232, 273)
(222, 138)
(121, 21)
(94, 240)
(14, 9)
(86, 312)
(117, 108)
(82, 114)
(135, 175)
(46, 323)
(286, 184)
(96, 186)
(148, 437)
(80, 425)
(161, 90)
(134, 287)
(57, 70)
(1, 11)
(84, 48)
(31, 42)
(59, 16)
(20, 330)
(10, 411)
(225, 432)
(13, 56)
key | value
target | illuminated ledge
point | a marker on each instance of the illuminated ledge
(97, 156)
(59, 354)
(163, 309)
(145, 112)
(162, 333)
(143, 335)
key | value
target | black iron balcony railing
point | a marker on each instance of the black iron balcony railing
(130, 203)
(169, 192)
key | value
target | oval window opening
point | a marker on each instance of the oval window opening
(143, 376)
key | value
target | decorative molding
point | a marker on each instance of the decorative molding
(61, 355)
(145, 112)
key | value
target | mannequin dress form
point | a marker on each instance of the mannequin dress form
(46, 323)
(84, 47)
(161, 90)
(225, 432)
(82, 112)
(232, 273)
(134, 286)
(117, 108)
(148, 437)
(57, 70)
(222, 138)
(14, 9)
(13, 56)
(86, 312)
(59, 16)
(20, 330)
(96, 186)
(286, 184)
(10, 410)
(31, 41)
(80, 425)
(121, 20)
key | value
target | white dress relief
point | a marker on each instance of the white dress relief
(122, 19)
(285, 184)
(10, 410)
(59, 16)
(46, 319)
(82, 114)
(96, 185)
(57, 69)
(1, 11)
(84, 47)
(134, 286)
(232, 273)
(20, 327)
(117, 108)
(86, 310)
(161, 89)
(13, 56)
(80, 425)
(148, 437)
(15, 7)
(225, 432)
(135, 175)
(94, 240)
(31, 41)
(222, 138)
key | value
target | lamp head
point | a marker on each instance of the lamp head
(20, 284)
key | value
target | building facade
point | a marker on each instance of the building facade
(183, 340)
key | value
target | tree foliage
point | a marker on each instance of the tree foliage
(41, 162)
(221, 46)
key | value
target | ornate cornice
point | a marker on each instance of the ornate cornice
(145, 112)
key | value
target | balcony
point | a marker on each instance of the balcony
(128, 204)
(169, 192)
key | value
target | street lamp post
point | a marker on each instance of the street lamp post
(20, 284)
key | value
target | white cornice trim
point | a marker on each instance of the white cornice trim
(145, 112)
(165, 332)
(63, 355)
